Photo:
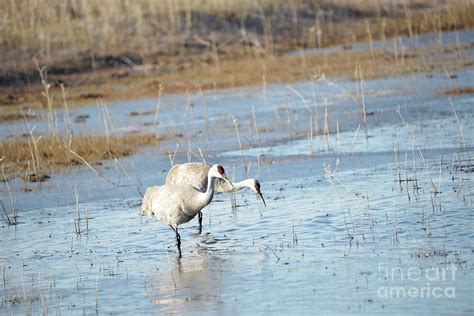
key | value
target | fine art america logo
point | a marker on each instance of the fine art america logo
(417, 283)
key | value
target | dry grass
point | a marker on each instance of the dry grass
(457, 91)
(32, 161)
(5, 117)
(129, 49)
(155, 36)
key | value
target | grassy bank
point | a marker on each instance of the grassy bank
(230, 73)
(37, 156)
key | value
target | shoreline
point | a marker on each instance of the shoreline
(123, 84)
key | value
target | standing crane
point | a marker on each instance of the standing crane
(176, 204)
(195, 174)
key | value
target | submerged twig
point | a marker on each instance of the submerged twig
(12, 200)
(9, 221)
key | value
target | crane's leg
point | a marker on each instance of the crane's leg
(200, 221)
(178, 239)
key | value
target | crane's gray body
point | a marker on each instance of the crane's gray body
(174, 204)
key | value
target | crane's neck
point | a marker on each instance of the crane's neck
(206, 197)
(225, 186)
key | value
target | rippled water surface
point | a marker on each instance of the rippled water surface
(363, 216)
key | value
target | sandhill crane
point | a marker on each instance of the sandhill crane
(175, 204)
(195, 174)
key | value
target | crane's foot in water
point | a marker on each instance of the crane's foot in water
(200, 222)
(178, 243)
(178, 240)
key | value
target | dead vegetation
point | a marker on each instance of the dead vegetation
(128, 49)
(457, 91)
(5, 117)
(34, 158)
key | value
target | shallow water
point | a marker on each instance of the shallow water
(360, 218)
(327, 244)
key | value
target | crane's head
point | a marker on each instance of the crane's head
(255, 187)
(218, 171)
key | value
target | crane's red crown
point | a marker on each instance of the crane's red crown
(257, 186)
(220, 169)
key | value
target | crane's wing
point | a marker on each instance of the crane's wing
(194, 174)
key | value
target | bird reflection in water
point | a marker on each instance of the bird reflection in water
(189, 285)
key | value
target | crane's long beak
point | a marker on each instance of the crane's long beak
(259, 194)
(224, 176)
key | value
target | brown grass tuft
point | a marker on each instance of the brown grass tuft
(5, 117)
(52, 152)
(456, 91)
